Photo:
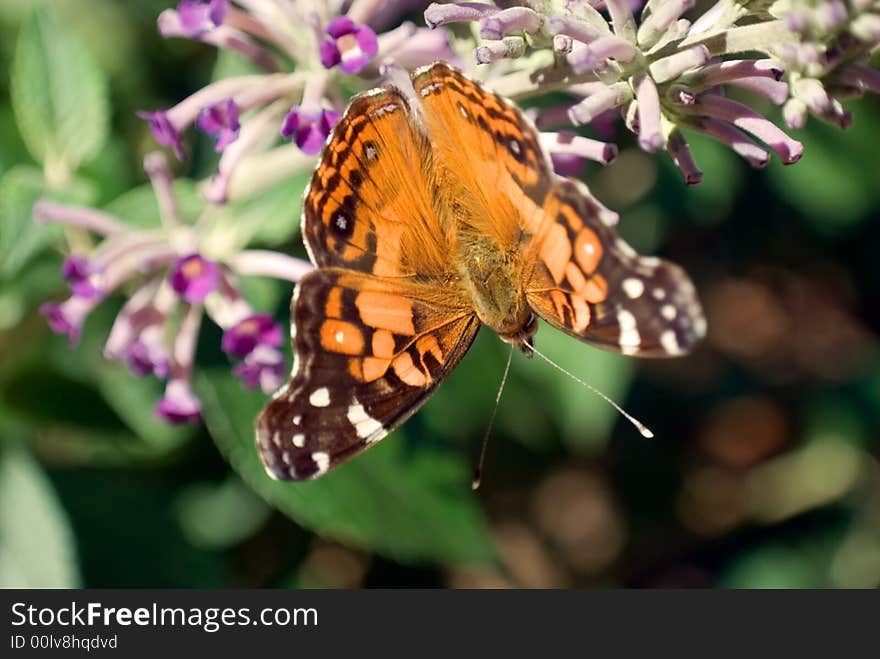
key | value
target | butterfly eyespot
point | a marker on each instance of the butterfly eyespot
(342, 224)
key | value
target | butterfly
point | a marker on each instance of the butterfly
(434, 211)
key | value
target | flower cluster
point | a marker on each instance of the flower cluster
(829, 60)
(172, 275)
(665, 74)
(661, 72)
(306, 55)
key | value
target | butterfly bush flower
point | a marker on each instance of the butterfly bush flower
(666, 71)
(307, 59)
(172, 276)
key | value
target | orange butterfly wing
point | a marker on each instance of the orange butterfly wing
(380, 323)
(591, 284)
(368, 353)
(369, 206)
(576, 271)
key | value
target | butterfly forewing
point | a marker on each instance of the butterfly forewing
(368, 207)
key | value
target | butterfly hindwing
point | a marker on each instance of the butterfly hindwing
(368, 354)
(592, 285)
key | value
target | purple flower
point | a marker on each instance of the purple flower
(179, 404)
(67, 317)
(309, 127)
(82, 278)
(148, 354)
(263, 367)
(220, 119)
(351, 45)
(164, 131)
(194, 277)
(200, 16)
(566, 164)
(256, 330)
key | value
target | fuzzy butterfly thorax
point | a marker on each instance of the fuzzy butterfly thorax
(432, 212)
(492, 279)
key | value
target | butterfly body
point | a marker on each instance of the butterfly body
(434, 211)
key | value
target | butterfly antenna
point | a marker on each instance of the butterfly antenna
(478, 472)
(641, 427)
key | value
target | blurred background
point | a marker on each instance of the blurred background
(764, 467)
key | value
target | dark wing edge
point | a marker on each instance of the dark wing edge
(338, 404)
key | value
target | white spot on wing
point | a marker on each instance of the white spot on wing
(668, 312)
(322, 460)
(340, 336)
(629, 334)
(297, 419)
(658, 293)
(364, 424)
(320, 397)
(670, 342)
(633, 287)
(589, 248)
(299, 440)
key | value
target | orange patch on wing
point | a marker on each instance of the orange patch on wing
(556, 251)
(407, 371)
(333, 307)
(339, 336)
(386, 311)
(383, 344)
(595, 290)
(374, 368)
(355, 369)
(581, 314)
(588, 250)
(575, 276)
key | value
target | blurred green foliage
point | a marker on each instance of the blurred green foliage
(763, 472)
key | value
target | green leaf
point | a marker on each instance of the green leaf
(408, 500)
(37, 548)
(220, 516)
(20, 237)
(271, 218)
(139, 207)
(772, 566)
(59, 95)
(586, 420)
(834, 186)
(711, 201)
